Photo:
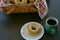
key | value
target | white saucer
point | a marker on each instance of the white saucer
(28, 37)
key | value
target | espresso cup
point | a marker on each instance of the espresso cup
(51, 25)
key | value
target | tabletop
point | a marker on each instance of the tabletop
(11, 30)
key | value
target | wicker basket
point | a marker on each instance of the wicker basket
(24, 8)
(21, 8)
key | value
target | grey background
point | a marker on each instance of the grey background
(11, 30)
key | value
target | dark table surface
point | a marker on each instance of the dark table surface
(11, 31)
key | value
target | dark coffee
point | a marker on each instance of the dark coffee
(51, 22)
